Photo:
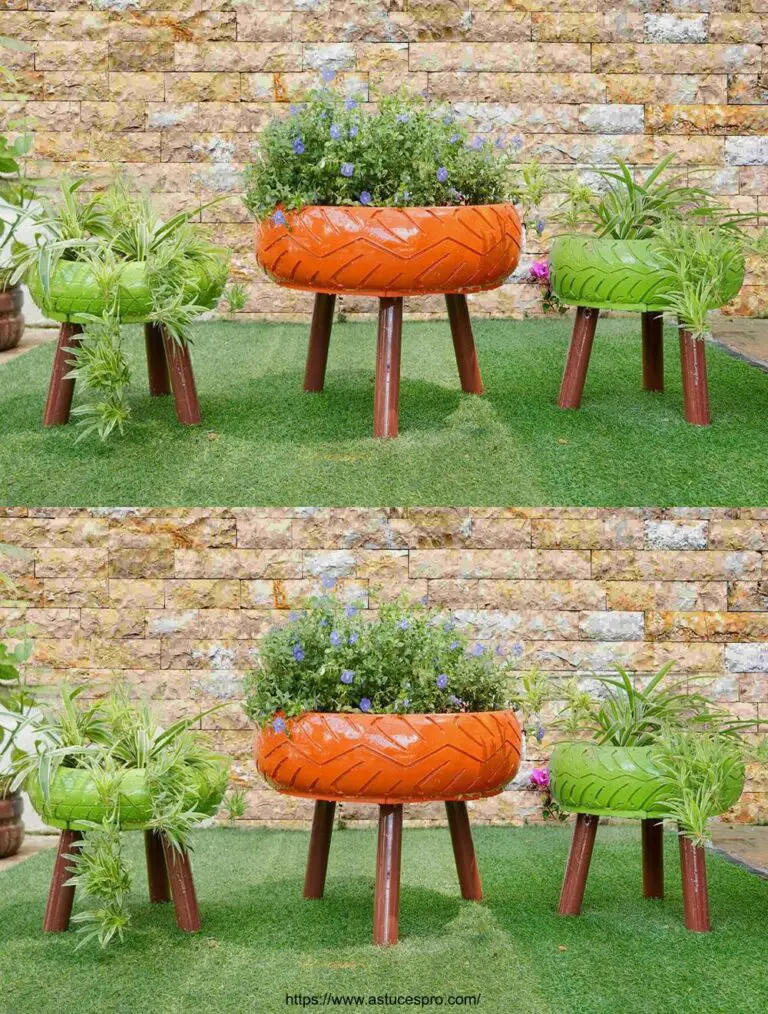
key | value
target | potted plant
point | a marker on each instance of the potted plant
(106, 259)
(102, 767)
(398, 709)
(633, 766)
(392, 203)
(652, 245)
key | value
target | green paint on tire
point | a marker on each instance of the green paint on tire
(617, 274)
(618, 781)
(73, 797)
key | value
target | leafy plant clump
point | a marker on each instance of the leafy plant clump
(408, 153)
(107, 739)
(409, 660)
(16, 699)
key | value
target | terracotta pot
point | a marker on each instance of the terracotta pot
(11, 318)
(391, 759)
(619, 781)
(391, 252)
(74, 797)
(11, 826)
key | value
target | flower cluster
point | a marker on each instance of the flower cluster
(408, 660)
(539, 273)
(330, 151)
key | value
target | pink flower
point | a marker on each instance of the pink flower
(540, 778)
(539, 272)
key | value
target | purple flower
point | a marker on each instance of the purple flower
(298, 146)
(540, 733)
(335, 638)
(351, 611)
(540, 778)
(442, 174)
(406, 195)
(365, 197)
(499, 144)
(517, 142)
(455, 138)
(298, 653)
(365, 704)
(540, 226)
(353, 130)
(349, 105)
(335, 131)
(448, 119)
(456, 701)
(539, 272)
(454, 645)
(347, 169)
(477, 143)
(347, 676)
(328, 580)
(406, 702)
(354, 637)
(279, 218)
(448, 626)
(403, 624)
(279, 724)
(327, 74)
(477, 650)
(442, 681)
(403, 118)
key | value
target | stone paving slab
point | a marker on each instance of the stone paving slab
(744, 337)
(33, 843)
(33, 336)
(744, 844)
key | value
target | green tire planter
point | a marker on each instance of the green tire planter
(618, 781)
(74, 289)
(73, 797)
(617, 274)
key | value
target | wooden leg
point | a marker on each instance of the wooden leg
(653, 351)
(579, 351)
(693, 871)
(319, 340)
(157, 875)
(182, 888)
(576, 872)
(60, 897)
(652, 834)
(319, 847)
(464, 851)
(693, 361)
(387, 902)
(157, 367)
(60, 390)
(464, 344)
(182, 381)
(387, 393)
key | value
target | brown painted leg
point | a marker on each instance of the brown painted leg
(157, 367)
(157, 875)
(579, 351)
(693, 360)
(60, 897)
(319, 847)
(464, 344)
(182, 888)
(693, 871)
(319, 340)
(387, 902)
(387, 393)
(652, 834)
(182, 381)
(60, 390)
(576, 872)
(464, 851)
(653, 351)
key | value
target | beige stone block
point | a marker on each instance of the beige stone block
(638, 149)
(202, 594)
(730, 28)
(74, 84)
(669, 565)
(748, 595)
(113, 622)
(603, 533)
(70, 563)
(739, 535)
(499, 533)
(707, 119)
(667, 595)
(66, 533)
(707, 626)
(93, 653)
(46, 622)
(61, 592)
(751, 89)
(215, 654)
(262, 26)
(294, 594)
(473, 86)
(613, 26)
(506, 563)
(125, 86)
(201, 87)
(64, 55)
(670, 88)
(237, 56)
(238, 563)
(490, 56)
(632, 58)
(635, 656)
(114, 115)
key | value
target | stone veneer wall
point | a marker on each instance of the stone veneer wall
(178, 90)
(175, 600)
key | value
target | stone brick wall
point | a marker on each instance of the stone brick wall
(175, 601)
(178, 90)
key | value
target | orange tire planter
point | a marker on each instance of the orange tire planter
(391, 252)
(391, 759)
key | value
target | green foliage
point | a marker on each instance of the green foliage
(16, 699)
(407, 153)
(409, 660)
(100, 365)
(107, 738)
(235, 804)
(235, 297)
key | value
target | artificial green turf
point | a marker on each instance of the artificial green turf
(264, 442)
(261, 942)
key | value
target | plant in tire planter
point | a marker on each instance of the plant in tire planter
(392, 710)
(391, 203)
(104, 767)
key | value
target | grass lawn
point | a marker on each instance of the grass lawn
(264, 442)
(261, 942)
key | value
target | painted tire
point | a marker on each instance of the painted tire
(74, 290)
(73, 797)
(391, 758)
(391, 251)
(617, 274)
(618, 781)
